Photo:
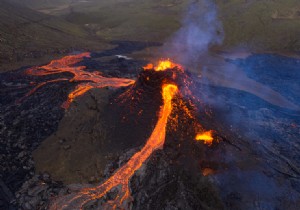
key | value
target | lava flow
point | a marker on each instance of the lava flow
(123, 175)
(165, 75)
(206, 137)
(89, 80)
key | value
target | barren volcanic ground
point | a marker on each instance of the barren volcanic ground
(253, 163)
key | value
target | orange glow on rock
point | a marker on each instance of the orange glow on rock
(207, 171)
(80, 90)
(149, 66)
(207, 137)
(123, 175)
(88, 80)
(162, 65)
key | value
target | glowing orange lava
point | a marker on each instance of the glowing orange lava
(123, 175)
(206, 137)
(162, 65)
(149, 66)
(88, 80)
(207, 171)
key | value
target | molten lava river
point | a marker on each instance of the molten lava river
(87, 80)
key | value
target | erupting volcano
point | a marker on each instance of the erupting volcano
(169, 113)
(167, 76)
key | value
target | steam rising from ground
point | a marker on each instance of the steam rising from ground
(247, 115)
(190, 46)
(200, 30)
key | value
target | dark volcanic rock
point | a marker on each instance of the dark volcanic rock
(23, 126)
(163, 185)
(36, 193)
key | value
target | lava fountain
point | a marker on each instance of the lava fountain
(87, 80)
(162, 65)
(120, 179)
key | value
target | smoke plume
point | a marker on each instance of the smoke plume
(200, 30)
